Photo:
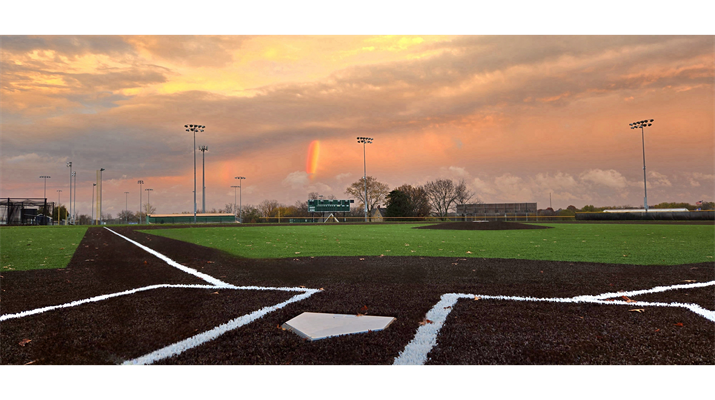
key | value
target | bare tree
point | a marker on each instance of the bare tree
(444, 195)
(376, 193)
(419, 202)
(149, 209)
(269, 208)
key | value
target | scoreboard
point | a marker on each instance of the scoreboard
(329, 205)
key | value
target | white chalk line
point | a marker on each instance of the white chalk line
(415, 353)
(194, 341)
(197, 340)
(200, 275)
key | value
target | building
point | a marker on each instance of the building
(202, 218)
(496, 209)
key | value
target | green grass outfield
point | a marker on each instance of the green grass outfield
(38, 247)
(643, 244)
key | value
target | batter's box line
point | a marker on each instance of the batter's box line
(194, 341)
(415, 353)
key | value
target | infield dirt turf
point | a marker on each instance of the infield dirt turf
(475, 332)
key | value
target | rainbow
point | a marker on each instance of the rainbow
(311, 164)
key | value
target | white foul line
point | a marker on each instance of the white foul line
(200, 275)
(183, 345)
(415, 353)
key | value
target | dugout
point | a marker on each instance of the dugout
(201, 218)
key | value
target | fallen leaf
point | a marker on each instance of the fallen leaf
(31, 362)
(209, 262)
(23, 342)
(627, 299)
(280, 327)
(679, 324)
(477, 298)
(469, 252)
(363, 310)
(689, 281)
(214, 293)
(321, 289)
(638, 310)
(362, 259)
(448, 307)
(657, 330)
(360, 315)
(297, 252)
(145, 262)
(425, 322)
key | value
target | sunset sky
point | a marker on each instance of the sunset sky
(517, 117)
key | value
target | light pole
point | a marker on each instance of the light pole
(93, 185)
(99, 212)
(69, 165)
(140, 200)
(240, 217)
(126, 207)
(364, 141)
(45, 178)
(74, 203)
(642, 125)
(235, 212)
(59, 200)
(194, 129)
(148, 203)
(203, 177)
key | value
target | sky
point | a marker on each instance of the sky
(521, 118)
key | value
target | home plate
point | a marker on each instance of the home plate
(316, 326)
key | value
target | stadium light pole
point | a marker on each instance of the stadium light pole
(364, 141)
(93, 185)
(194, 129)
(148, 203)
(59, 200)
(45, 178)
(126, 207)
(69, 165)
(99, 195)
(240, 217)
(74, 203)
(642, 125)
(203, 177)
(140, 200)
(235, 212)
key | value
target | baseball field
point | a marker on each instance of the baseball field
(461, 294)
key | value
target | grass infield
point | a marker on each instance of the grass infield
(640, 244)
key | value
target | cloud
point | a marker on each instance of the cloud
(656, 179)
(296, 180)
(609, 178)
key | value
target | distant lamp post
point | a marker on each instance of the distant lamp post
(148, 203)
(235, 211)
(140, 200)
(45, 177)
(642, 125)
(59, 201)
(69, 165)
(240, 216)
(203, 177)
(194, 129)
(92, 218)
(74, 203)
(364, 141)
(99, 195)
(126, 207)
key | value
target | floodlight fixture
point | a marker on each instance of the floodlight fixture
(148, 201)
(240, 178)
(203, 149)
(642, 125)
(45, 177)
(195, 128)
(69, 165)
(126, 207)
(364, 141)
(140, 182)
